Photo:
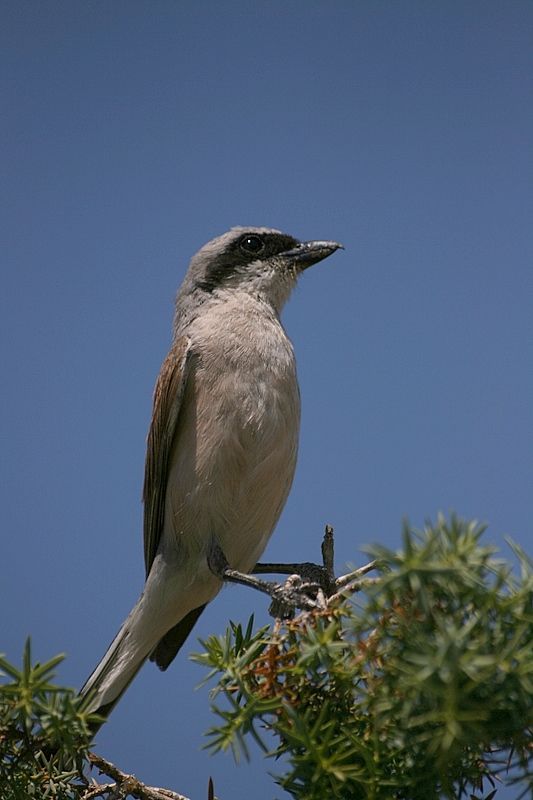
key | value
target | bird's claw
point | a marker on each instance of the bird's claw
(294, 593)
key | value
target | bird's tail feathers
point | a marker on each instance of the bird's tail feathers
(106, 685)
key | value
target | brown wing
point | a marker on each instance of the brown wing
(168, 395)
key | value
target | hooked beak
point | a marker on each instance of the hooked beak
(306, 254)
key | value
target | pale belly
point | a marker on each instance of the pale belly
(233, 462)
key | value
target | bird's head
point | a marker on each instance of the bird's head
(260, 261)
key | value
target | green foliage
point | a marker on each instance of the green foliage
(423, 690)
(44, 734)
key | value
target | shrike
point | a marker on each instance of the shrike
(222, 444)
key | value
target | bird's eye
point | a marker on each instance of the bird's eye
(252, 243)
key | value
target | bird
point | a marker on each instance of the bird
(222, 444)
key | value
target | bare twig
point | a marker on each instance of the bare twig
(357, 585)
(125, 784)
(344, 580)
(328, 552)
(98, 790)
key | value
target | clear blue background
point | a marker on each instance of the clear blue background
(132, 133)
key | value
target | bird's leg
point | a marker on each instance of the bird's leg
(219, 566)
(321, 574)
(295, 593)
(308, 586)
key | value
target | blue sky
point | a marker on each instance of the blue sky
(132, 133)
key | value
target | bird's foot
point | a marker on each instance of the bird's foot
(295, 593)
(308, 587)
